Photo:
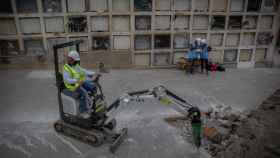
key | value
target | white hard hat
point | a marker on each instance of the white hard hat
(198, 39)
(203, 41)
(74, 55)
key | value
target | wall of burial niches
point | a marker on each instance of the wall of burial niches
(146, 33)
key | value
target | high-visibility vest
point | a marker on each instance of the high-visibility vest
(80, 76)
(81, 72)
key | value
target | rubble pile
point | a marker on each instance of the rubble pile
(228, 133)
(248, 134)
(220, 128)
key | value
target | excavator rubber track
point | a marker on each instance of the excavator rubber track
(92, 137)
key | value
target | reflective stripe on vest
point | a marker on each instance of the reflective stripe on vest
(74, 74)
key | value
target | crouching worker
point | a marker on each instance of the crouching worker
(75, 81)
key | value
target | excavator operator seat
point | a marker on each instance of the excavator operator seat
(70, 100)
(70, 104)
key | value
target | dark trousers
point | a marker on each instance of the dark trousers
(192, 61)
(83, 90)
(204, 64)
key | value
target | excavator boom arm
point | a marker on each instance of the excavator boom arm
(160, 93)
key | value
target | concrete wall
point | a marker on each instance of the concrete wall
(276, 55)
(144, 33)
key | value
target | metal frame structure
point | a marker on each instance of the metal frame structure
(58, 75)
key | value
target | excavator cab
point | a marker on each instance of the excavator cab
(94, 130)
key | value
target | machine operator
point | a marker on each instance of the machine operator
(76, 81)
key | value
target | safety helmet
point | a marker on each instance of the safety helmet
(203, 41)
(198, 39)
(74, 55)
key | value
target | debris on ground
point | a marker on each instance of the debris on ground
(102, 68)
(228, 133)
(183, 124)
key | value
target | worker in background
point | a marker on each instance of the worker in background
(194, 53)
(204, 56)
(75, 80)
(198, 50)
(191, 58)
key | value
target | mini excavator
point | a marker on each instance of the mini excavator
(100, 127)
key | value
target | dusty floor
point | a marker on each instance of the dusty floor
(28, 106)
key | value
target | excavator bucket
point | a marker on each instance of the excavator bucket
(118, 140)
